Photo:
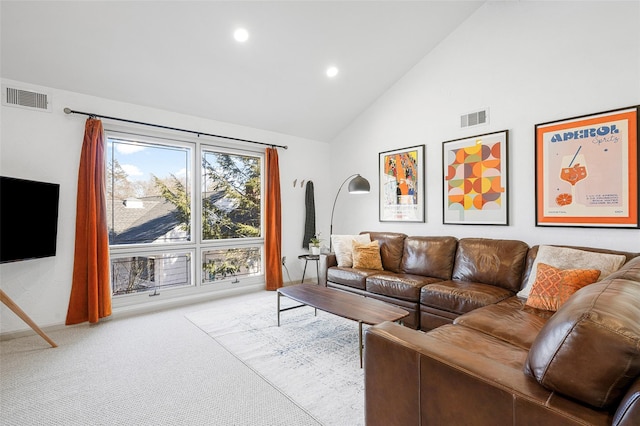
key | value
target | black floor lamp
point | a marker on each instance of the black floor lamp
(357, 185)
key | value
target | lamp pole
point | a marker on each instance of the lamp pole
(333, 209)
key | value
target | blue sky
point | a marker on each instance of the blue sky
(140, 161)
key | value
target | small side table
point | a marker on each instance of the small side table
(312, 258)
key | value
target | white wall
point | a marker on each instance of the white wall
(46, 146)
(529, 62)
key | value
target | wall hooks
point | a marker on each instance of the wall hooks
(295, 182)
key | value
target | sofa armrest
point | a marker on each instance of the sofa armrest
(392, 376)
(326, 261)
(420, 378)
(417, 378)
(628, 413)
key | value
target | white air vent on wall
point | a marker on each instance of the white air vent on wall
(12, 96)
(475, 118)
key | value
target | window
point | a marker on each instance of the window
(155, 240)
(230, 196)
(219, 264)
(135, 274)
(148, 188)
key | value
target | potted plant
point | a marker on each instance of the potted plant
(314, 244)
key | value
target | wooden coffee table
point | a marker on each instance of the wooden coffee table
(347, 305)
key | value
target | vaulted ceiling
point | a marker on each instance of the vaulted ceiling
(181, 55)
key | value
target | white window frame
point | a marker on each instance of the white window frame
(196, 246)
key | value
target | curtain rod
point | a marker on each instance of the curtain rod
(70, 111)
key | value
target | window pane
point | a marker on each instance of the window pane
(147, 193)
(231, 263)
(143, 273)
(230, 196)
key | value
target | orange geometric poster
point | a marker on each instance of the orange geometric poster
(587, 171)
(475, 181)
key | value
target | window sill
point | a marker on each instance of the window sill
(139, 305)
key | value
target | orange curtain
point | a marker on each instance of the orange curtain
(273, 222)
(90, 297)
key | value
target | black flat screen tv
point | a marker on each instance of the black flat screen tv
(28, 219)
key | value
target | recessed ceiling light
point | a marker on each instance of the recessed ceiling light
(241, 35)
(332, 71)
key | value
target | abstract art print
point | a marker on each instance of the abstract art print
(475, 186)
(402, 185)
(587, 170)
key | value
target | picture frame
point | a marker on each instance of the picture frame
(587, 170)
(402, 190)
(476, 180)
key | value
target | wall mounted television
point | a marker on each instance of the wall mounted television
(28, 219)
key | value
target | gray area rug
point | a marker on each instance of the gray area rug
(312, 359)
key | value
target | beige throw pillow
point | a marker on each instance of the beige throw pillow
(343, 247)
(367, 255)
(568, 258)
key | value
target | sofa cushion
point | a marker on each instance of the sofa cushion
(461, 296)
(429, 256)
(553, 286)
(400, 286)
(520, 303)
(391, 248)
(569, 258)
(595, 336)
(366, 255)
(480, 345)
(489, 261)
(350, 277)
(343, 247)
(509, 322)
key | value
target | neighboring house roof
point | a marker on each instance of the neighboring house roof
(146, 224)
(148, 219)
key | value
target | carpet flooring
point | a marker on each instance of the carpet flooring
(312, 359)
(149, 369)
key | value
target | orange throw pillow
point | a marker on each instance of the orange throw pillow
(554, 286)
(367, 255)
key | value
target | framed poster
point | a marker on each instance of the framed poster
(587, 170)
(475, 186)
(402, 185)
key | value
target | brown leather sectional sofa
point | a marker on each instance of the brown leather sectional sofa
(485, 358)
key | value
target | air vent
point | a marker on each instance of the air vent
(475, 118)
(12, 96)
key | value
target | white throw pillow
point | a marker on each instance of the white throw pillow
(568, 258)
(343, 247)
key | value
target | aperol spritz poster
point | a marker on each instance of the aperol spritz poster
(587, 170)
